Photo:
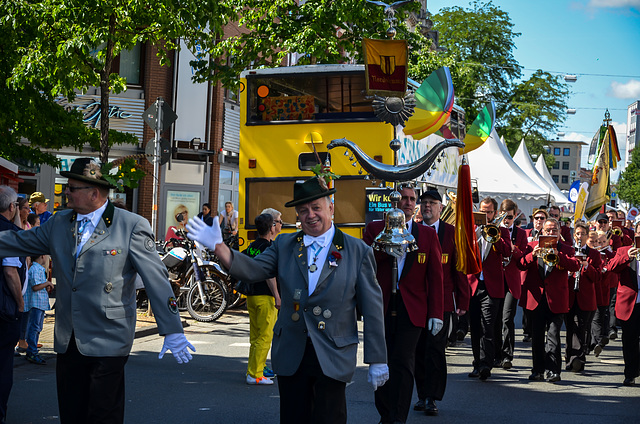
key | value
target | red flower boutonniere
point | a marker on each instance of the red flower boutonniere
(334, 257)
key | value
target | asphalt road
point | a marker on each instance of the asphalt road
(211, 389)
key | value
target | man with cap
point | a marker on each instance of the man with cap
(538, 218)
(431, 362)
(324, 275)
(97, 251)
(417, 303)
(38, 204)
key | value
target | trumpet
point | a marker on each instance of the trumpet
(491, 232)
(581, 256)
(549, 256)
(616, 231)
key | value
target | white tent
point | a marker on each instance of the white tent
(541, 167)
(523, 159)
(498, 176)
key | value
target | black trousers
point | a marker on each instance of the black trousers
(505, 328)
(431, 361)
(90, 388)
(630, 343)
(483, 312)
(309, 396)
(600, 326)
(9, 334)
(578, 324)
(393, 400)
(546, 355)
(614, 323)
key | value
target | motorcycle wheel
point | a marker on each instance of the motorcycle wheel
(215, 301)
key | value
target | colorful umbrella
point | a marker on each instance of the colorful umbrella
(480, 129)
(434, 101)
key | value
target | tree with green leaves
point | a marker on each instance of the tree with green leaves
(316, 31)
(629, 181)
(67, 46)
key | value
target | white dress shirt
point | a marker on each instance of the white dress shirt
(319, 251)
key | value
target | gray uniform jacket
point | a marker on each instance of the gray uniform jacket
(95, 293)
(328, 315)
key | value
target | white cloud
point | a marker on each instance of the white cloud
(614, 4)
(628, 90)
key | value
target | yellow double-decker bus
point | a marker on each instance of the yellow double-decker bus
(285, 113)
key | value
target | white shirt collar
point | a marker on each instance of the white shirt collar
(94, 216)
(323, 239)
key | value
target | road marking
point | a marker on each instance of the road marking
(241, 344)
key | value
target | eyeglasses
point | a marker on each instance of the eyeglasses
(508, 217)
(73, 189)
(603, 221)
(278, 221)
(538, 218)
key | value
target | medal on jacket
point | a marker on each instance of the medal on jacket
(316, 251)
(295, 316)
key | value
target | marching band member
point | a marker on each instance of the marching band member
(545, 296)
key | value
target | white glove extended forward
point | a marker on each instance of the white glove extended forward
(177, 343)
(199, 231)
(378, 375)
(435, 325)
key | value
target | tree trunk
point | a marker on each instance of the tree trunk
(105, 90)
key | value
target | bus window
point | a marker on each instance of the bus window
(308, 97)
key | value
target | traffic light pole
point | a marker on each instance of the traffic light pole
(156, 158)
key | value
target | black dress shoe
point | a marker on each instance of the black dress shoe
(613, 334)
(526, 338)
(485, 373)
(460, 335)
(576, 365)
(474, 374)
(420, 405)
(629, 382)
(536, 376)
(506, 364)
(553, 377)
(432, 409)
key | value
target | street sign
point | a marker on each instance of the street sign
(150, 116)
(165, 151)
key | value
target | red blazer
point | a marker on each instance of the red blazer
(565, 232)
(589, 279)
(421, 282)
(457, 291)
(529, 236)
(554, 285)
(608, 280)
(492, 269)
(628, 285)
(512, 273)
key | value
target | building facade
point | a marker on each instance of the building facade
(633, 121)
(566, 168)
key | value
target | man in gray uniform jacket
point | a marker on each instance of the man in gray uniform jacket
(324, 275)
(97, 250)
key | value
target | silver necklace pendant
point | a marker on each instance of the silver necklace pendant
(313, 268)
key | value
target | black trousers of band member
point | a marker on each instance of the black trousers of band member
(600, 326)
(393, 400)
(505, 328)
(614, 323)
(630, 343)
(9, 334)
(90, 388)
(546, 355)
(578, 324)
(431, 361)
(483, 312)
(309, 396)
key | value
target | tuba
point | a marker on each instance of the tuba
(491, 232)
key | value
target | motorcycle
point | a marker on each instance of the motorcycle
(199, 283)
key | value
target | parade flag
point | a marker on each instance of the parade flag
(599, 187)
(385, 64)
(581, 201)
(469, 259)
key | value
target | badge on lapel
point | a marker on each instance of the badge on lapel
(445, 258)
(422, 258)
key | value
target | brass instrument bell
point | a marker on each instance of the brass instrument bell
(395, 239)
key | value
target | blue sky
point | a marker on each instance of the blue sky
(597, 40)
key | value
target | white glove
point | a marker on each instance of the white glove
(177, 343)
(209, 236)
(378, 375)
(435, 325)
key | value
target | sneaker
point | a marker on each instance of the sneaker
(36, 359)
(259, 380)
(268, 372)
